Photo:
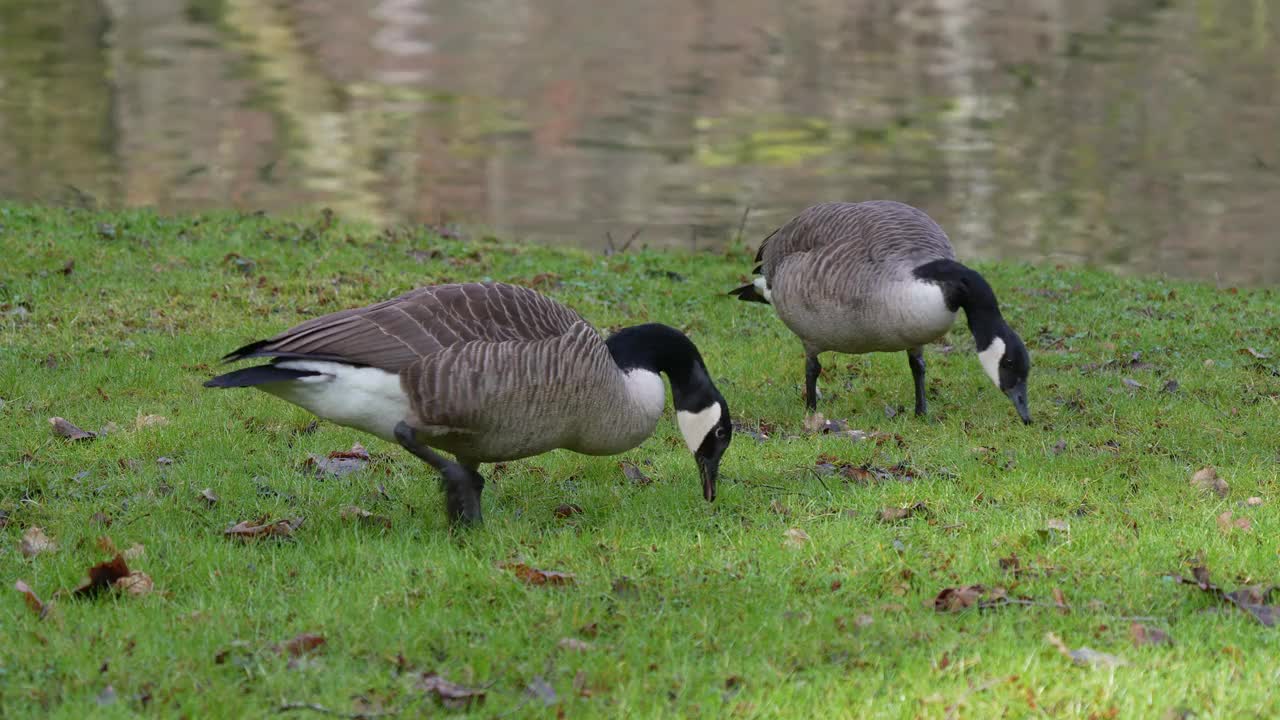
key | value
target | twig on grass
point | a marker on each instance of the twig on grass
(316, 707)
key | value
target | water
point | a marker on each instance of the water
(1142, 135)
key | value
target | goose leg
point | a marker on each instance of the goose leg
(811, 369)
(915, 358)
(462, 484)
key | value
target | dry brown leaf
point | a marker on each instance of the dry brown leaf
(339, 462)
(1011, 564)
(1143, 635)
(1060, 600)
(634, 473)
(796, 537)
(146, 421)
(893, 514)
(355, 512)
(302, 644)
(134, 551)
(1085, 656)
(103, 576)
(573, 644)
(953, 599)
(1227, 523)
(1206, 479)
(63, 428)
(207, 496)
(1253, 501)
(246, 530)
(135, 584)
(34, 542)
(450, 694)
(533, 576)
(33, 601)
(107, 546)
(566, 510)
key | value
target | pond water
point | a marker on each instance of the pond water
(1142, 135)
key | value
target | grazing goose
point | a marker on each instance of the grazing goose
(881, 276)
(490, 372)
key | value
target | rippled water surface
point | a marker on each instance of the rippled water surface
(1136, 134)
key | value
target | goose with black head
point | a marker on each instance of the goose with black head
(490, 372)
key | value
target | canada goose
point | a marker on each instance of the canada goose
(490, 372)
(881, 276)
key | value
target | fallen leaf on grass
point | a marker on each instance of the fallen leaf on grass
(1226, 523)
(1207, 479)
(955, 599)
(1251, 502)
(1143, 635)
(135, 583)
(573, 644)
(114, 573)
(566, 510)
(540, 689)
(302, 644)
(1254, 353)
(146, 421)
(63, 428)
(796, 537)
(1252, 599)
(1130, 382)
(1085, 656)
(450, 694)
(33, 601)
(339, 462)
(893, 514)
(355, 512)
(1060, 601)
(246, 530)
(34, 542)
(533, 576)
(207, 496)
(818, 423)
(1011, 564)
(634, 473)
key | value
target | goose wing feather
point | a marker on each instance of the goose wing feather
(878, 232)
(394, 334)
(509, 398)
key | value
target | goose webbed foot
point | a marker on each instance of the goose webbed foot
(462, 484)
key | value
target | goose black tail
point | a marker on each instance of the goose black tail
(258, 375)
(749, 293)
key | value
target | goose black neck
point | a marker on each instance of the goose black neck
(964, 288)
(662, 349)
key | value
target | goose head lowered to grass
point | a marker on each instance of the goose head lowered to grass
(490, 372)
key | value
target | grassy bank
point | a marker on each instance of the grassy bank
(790, 596)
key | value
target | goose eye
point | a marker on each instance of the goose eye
(720, 433)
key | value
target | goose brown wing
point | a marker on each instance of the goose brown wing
(524, 394)
(394, 334)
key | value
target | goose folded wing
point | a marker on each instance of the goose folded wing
(394, 334)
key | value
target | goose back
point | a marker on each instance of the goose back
(841, 276)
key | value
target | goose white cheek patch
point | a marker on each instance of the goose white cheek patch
(763, 286)
(695, 425)
(990, 359)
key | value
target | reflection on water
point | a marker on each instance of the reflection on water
(1130, 133)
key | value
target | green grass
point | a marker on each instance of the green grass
(720, 615)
